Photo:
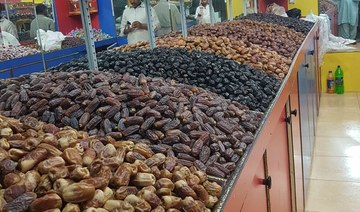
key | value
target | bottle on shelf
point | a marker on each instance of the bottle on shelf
(339, 80)
(330, 83)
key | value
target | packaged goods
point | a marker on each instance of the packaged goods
(330, 83)
(339, 81)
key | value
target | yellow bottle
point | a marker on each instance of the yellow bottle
(330, 83)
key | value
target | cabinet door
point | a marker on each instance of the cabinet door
(305, 126)
(296, 147)
(256, 199)
(278, 167)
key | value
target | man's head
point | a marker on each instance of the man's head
(135, 3)
(204, 2)
(41, 9)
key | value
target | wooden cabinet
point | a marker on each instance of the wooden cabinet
(271, 182)
(256, 199)
(297, 166)
(278, 168)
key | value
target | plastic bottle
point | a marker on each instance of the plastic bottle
(330, 83)
(339, 81)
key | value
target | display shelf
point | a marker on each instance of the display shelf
(74, 7)
(76, 13)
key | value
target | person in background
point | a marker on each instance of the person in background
(45, 23)
(202, 13)
(6, 25)
(134, 22)
(169, 17)
(348, 18)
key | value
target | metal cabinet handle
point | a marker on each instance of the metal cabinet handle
(312, 52)
(288, 119)
(306, 65)
(294, 112)
(267, 182)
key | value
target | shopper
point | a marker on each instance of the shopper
(45, 23)
(6, 25)
(169, 16)
(202, 13)
(134, 22)
(348, 18)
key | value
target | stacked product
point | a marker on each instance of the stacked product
(252, 55)
(296, 24)
(273, 37)
(79, 33)
(44, 168)
(72, 42)
(234, 81)
(12, 52)
(198, 127)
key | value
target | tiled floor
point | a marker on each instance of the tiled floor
(335, 178)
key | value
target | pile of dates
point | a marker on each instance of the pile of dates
(253, 88)
(12, 52)
(253, 55)
(273, 37)
(197, 127)
(31, 43)
(292, 23)
(45, 168)
(72, 42)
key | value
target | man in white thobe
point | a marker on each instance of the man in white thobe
(134, 22)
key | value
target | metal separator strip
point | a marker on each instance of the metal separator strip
(183, 19)
(149, 23)
(89, 37)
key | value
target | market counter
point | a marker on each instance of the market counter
(275, 170)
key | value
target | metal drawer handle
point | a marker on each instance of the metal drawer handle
(267, 182)
(294, 112)
(288, 119)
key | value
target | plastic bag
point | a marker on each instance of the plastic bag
(276, 10)
(327, 41)
(8, 39)
(49, 40)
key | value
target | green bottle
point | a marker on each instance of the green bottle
(339, 81)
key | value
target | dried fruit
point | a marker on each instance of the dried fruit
(49, 201)
(78, 192)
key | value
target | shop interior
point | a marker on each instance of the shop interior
(212, 106)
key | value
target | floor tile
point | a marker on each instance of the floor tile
(339, 101)
(336, 168)
(335, 115)
(341, 129)
(333, 196)
(352, 103)
(337, 146)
